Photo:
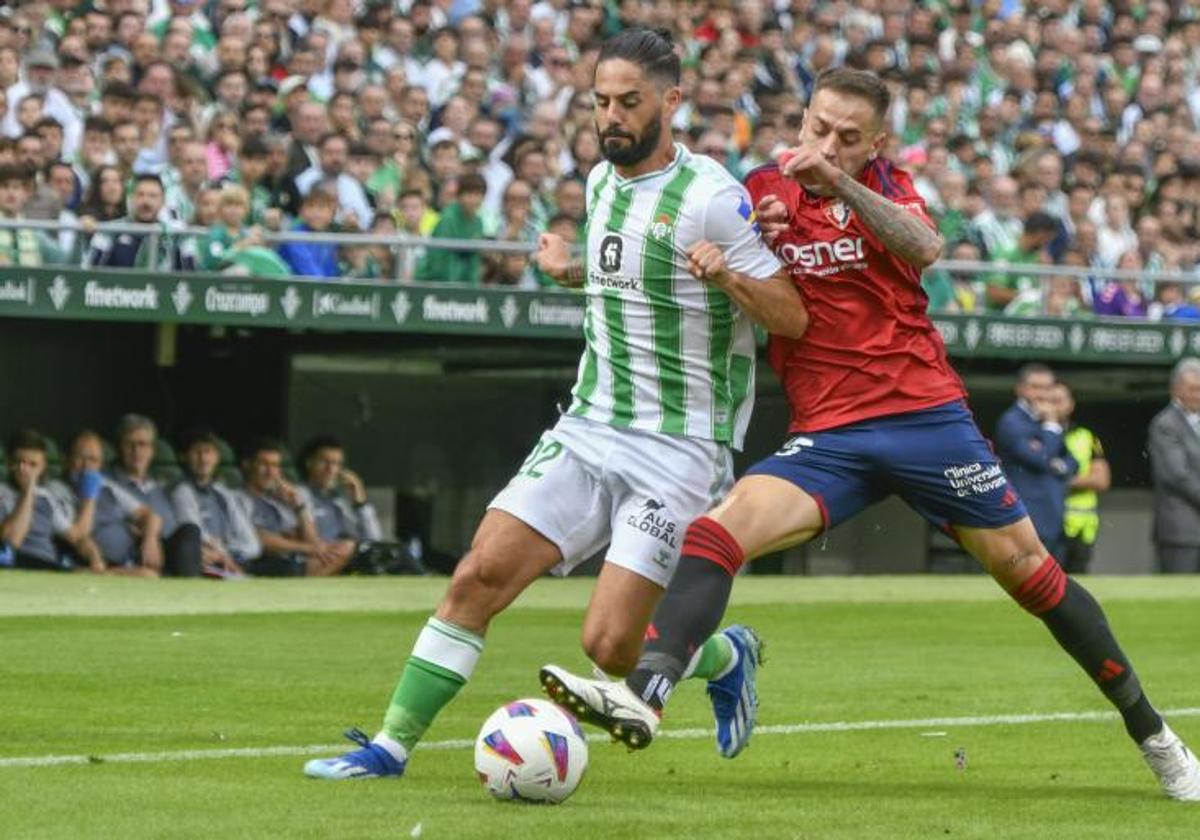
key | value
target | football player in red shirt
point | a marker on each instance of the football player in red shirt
(876, 410)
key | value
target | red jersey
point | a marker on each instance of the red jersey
(870, 349)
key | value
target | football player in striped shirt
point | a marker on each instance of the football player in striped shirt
(675, 271)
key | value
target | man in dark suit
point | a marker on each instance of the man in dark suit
(1029, 440)
(1175, 462)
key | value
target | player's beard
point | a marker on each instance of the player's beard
(638, 149)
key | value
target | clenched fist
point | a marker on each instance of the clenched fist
(706, 262)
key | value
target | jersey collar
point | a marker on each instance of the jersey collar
(681, 154)
(809, 197)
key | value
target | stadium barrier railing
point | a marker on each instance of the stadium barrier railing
(240, 299)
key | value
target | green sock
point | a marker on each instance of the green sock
(441, 663)
(713, 659)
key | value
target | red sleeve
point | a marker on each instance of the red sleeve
(897, 185)
(763, 180)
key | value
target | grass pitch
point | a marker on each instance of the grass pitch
(159, 682)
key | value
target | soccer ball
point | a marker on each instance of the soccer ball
(531, 750)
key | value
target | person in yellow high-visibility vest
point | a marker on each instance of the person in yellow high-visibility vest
(1081, 519)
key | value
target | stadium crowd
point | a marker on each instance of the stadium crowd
(1049, 131)
(143, 509)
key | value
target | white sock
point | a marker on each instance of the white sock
(395, 748)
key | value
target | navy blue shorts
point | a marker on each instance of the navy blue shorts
(936, 460)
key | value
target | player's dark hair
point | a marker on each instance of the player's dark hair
(197, 435)
(25, 439)
(860, 83)
(263, 444)
(314, 446)
(1032, 369)
(318, 443)
(653, 50)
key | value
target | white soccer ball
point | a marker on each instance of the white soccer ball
(531, 750)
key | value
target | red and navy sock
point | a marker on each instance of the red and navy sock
(1078, 624)
(690, 611)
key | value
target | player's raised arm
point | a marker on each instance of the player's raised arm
(554, 257)
(772, 302)
(733, 257)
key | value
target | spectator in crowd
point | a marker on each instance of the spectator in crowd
(1173, 303)
(182, 190)
(1005, 287)
(1082, 520)
(228, 540)
(137, 443)
(999, 113)
(23, 246)
(998, 228)
(1174, 446)
(313, 259)
(372, 262)
(459, 220)
(223, 145)
(955, 291)
(354, 211)
(41, 528)
(1029, 441)
(284, 520)
(1122, 297)
(164, 252)
(105, 197)
(229, 233)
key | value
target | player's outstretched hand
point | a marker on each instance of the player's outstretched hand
(553, 256)
(772, 217)
(809, 166)
(707, 263)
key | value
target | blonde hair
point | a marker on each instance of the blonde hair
(234, 194)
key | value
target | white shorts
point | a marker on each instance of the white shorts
(587, 484)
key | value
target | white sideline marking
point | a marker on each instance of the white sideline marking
(462, 743)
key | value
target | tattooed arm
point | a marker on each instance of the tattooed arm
(901, 232)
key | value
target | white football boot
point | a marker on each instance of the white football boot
(1174, 764)
(612, 706)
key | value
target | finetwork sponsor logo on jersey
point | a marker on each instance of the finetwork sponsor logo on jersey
(550, 314)
(617, 282)
(337, 303)
(475, 311)
(237, 302)
(848, 249)
(18, 291)
(650, 520)
(98, 296)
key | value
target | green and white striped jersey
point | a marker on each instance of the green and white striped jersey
(665, 352)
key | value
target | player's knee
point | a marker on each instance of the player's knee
(1016, 564)
(611, 653)
(477, 582)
